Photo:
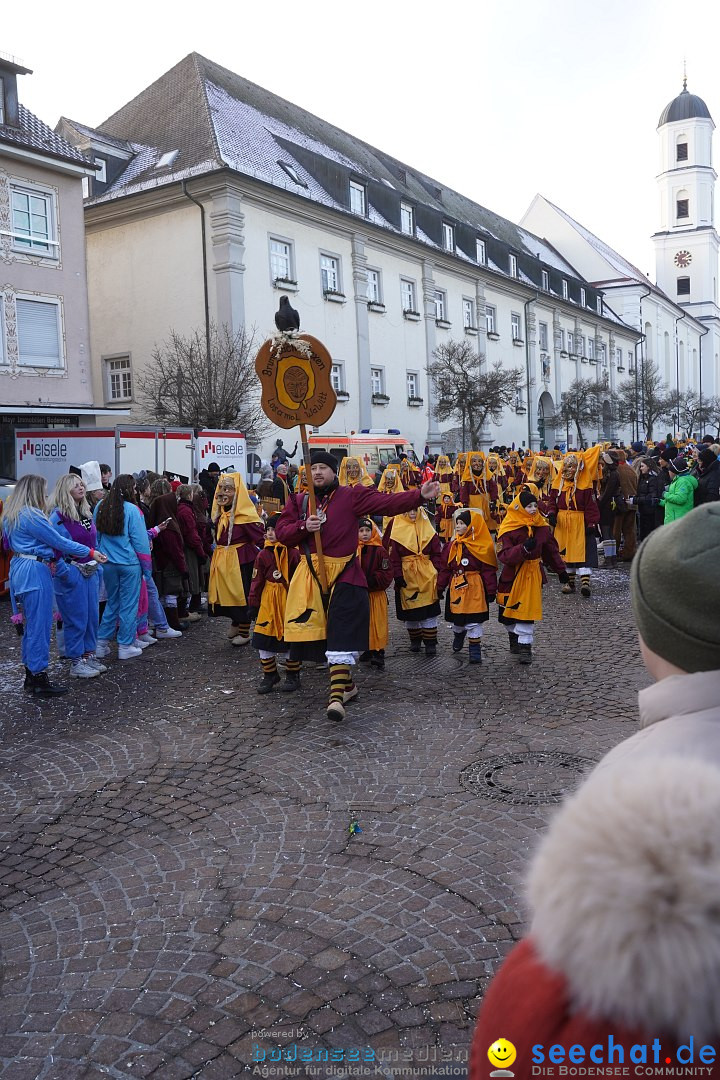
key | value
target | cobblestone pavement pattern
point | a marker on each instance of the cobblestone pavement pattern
(178, 871)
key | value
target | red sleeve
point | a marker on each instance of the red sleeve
(188, 528)
(395, 560)
(290, 530)
(367, 501)
(294, 557)
(378, 576)
(170, 545)
(551, 556)
(464, 493)
(444, 571)
(492, 490)
(260, 574)
(512, 552)
(489, 576)
(435, 552)
(591, 510)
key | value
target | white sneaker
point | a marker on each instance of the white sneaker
(79, 669)
(128, 652)
(168, 632)
(144, 641)
(102, 648)
(92, 661)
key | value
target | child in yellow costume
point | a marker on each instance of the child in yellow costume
(474, 492)
(274, 567)
(375, 563)
(444, 517)
(444, 473)
(416, 556)
(238, 536)
(574, 515)
(525, 542)
(470, 571)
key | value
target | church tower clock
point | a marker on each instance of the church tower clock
(687, 247)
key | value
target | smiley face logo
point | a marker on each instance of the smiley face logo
(502, 1054)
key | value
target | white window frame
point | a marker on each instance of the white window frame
(407, 216)
(581, 345)
(571, 342)
(100, 170)
(564, 289)
(441, 305)
(516, 325)
(545, 280)
(408, 292)
(377, 380)
(469, 313)
(412, 381)
(562, 340)
(48, 248)
(86, 187)
(480, 252)
(491, 319)
(582, 297)
(337, 376)
(590, 348)
(275, 257)
(543, 336)
(2, 100)
(448, 236)
(598, 304)
(374, 285)
(330, 274)
(50, 301)
(358, 198)
(513, 264)
(109, 371)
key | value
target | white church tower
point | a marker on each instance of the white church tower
(687, 247)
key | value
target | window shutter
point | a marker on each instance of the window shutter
(38, 333)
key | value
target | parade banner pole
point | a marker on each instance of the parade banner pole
(322, 572)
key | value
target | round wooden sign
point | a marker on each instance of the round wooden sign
(295, 376)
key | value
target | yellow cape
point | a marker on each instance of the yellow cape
(241, 510)
(390, 480)
(412, 535)
(477, 540)
(517, 517)
(467, 475)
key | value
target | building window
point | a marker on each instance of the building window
(490, 319)
(599, 305)
(100, 170)
(545, 280)
(330, 273)
(407, 290)
(582, 298)
(358, 200)
(681, 153)
(440, 305)
(564, 289)
(580, 339)
(602, 353)
(683, 286)
(561, 340)
(292, 172)
(513, 266)
(377, 380)
(119, 379)
(412, 384)
(468, 313)
(683, 208)
(86, 187)
(571, 342)
(39, 335)
(281, 260)
(543, 336)
(337, 377)
(515, 327)
(448, 236)
(480, 253)
(591, 348)
(407, 219)
(2, 102)
(32, 221)
(374, 293)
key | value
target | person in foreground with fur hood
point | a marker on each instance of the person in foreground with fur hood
(624, 890)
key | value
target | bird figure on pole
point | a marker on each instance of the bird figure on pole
(286, 317)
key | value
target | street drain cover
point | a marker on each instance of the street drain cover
(527, 777)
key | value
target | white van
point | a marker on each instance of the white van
(376, 447)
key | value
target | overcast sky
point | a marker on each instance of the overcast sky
(499, 99)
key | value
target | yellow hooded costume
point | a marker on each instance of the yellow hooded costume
(467, 590)
(477, 497)
(226, 588)
(352, 471)
(570, 528)
(418, 571)
(523, 600)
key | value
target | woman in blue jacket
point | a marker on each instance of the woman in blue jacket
(123, 538)
(37, 549)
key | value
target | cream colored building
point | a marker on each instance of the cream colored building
(214, 197)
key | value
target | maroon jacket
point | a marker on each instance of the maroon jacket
(433, 549)
(376, 567)
(584, 500)
(188, 527)
(512, 553)
(169, 551)
(489, 573)
(265, 567)
(339, 533)
(468, 488)
(248, 538)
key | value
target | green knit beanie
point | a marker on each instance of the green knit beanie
(675, 588)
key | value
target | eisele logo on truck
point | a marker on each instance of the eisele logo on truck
(230, 449)
(47, 450)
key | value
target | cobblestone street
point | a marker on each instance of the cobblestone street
(178, 872)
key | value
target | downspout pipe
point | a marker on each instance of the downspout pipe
(702, 422)
(677, 368)
(526, 305)
(204, 259)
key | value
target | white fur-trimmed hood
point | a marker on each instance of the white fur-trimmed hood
(625, 895)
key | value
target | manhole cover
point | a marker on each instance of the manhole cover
(530, 777)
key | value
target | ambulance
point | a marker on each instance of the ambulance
(376, 446)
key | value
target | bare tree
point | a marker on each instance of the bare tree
(467, 393)
(205, 381)
(582, 406)
(688, 410)
(712, 406)
(643, 399)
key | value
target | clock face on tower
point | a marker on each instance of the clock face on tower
(683, 258)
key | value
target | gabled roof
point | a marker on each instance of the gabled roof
(34, 135)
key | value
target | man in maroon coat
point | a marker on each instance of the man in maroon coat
(336, 626)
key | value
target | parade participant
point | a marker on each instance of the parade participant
(390, 482)
(352, 471)
(375, 563)
(470, 571)
(574, 515)
(195, 552)
(301, 484)
(527, 545)
(238, 536)
(475, 492)
(514, 469)
(495, 481)
(410, 475)
(273, 569)
(444, 473)
(416, 557)
(35, 545)
(444, 517)
(623, 940)
(76, 591)
(540, 472)
(458, 473)
(170, 570)
(123, 538)
(342, 633)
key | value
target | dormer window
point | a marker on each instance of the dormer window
(2, 101)
(513, 265)
(358, 198)
(100, 170)
(292, 172)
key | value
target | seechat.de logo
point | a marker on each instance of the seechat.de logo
(501, 1054)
